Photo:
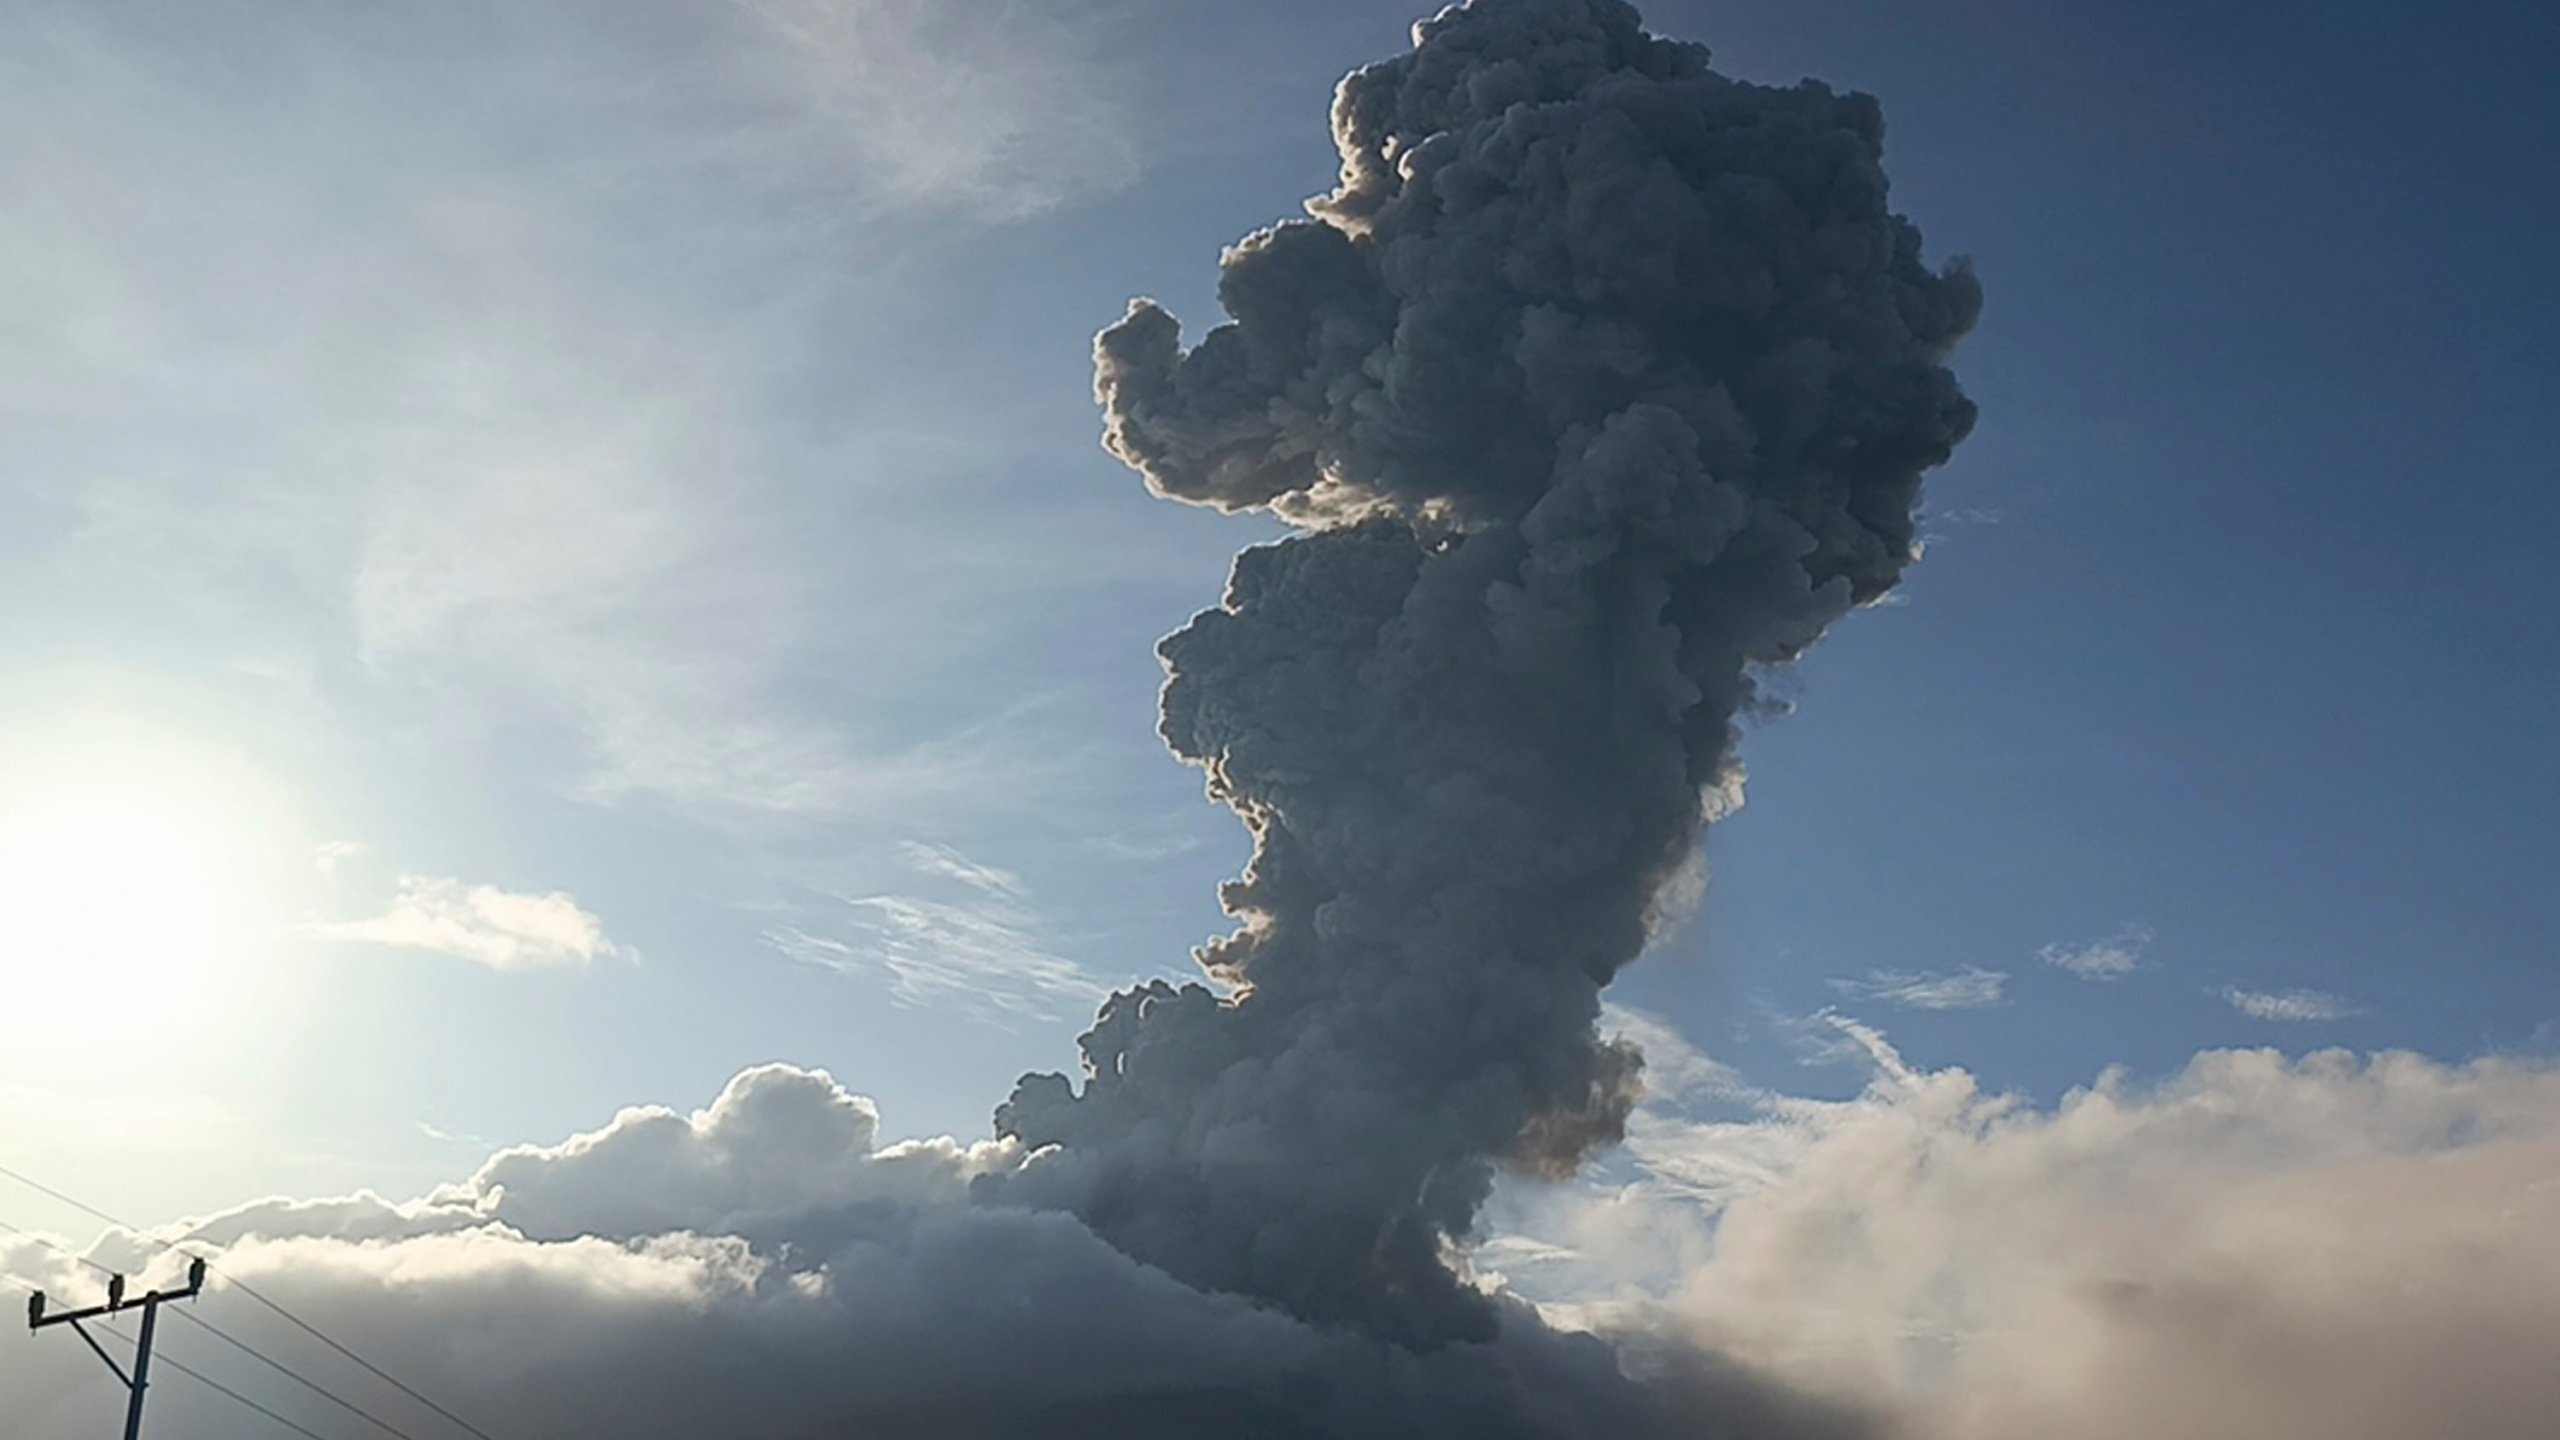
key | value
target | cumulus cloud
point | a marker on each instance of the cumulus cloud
(1972, 988)
(2265, 1247)
(2112, 958)
(2288, 1007)
(488, 926)
(779, 1142)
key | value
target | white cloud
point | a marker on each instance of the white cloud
(483, 924)
(2292, 1007)
(778, 1142)
(976, 952)
(1002, 109)
(1972, 988)
(937, 953)
(2332, 1247)
(472, 352)
(1143, 847)
(1827, 1037)
(950, 864)
(1674, 1070)
(1683, 1089)
(2112, 958)
(327, 856)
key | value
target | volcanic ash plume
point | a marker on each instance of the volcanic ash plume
(1599, 381)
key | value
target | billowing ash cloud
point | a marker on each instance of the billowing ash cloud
(1599, 381)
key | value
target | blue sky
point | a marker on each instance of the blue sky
(631, 471)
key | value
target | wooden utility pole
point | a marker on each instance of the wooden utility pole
(116, 1304)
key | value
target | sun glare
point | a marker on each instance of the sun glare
(119, 916)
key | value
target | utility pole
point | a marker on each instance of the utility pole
(149, 1304)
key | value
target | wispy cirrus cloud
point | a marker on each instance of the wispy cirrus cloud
(445, 380)
(2111, 958)
(1828, 1037)
(1972, 988)
(1675, 1071)
(2287, 1007)
(1000, 109)
(973, 948)
(950, 864)
(483, 924)
(1141, 847)
(328, 856)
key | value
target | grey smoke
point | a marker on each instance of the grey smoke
(1600, 381)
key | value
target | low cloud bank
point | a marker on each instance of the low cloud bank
(765, 1268)
(2262, 1247)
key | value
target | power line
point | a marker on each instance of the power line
(245, 1288)
(287, 1372)
(137, 1379)
(377, 1371)
(217, 1387)
(43, 1189)
(173, 1363)
(227, 1392)
(66, 1253)
(225, 1337)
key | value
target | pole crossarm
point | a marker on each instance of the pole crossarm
(38, 1316)
(149, 1304)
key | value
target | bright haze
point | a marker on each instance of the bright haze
(585, 803)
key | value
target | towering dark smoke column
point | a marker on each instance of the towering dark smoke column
(1599, 381)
